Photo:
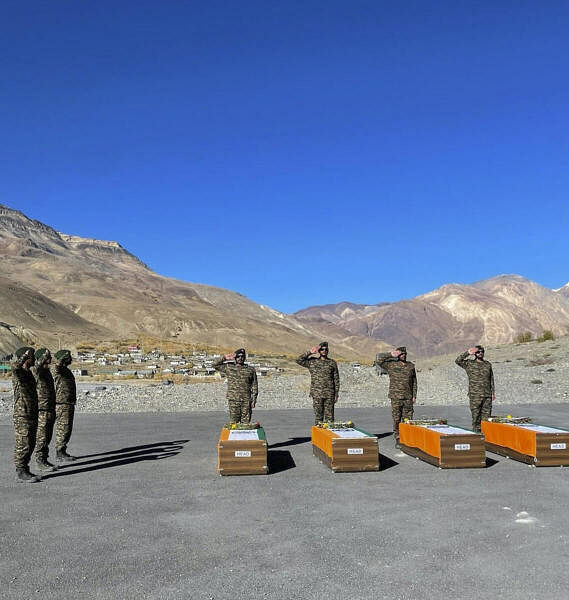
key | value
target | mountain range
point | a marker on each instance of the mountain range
(63, 289)
(57, 288)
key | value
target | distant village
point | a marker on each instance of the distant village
(135, 363)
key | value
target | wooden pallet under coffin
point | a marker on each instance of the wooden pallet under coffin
(346, 450)
(242, 452)
(445, 446)
(530, 443)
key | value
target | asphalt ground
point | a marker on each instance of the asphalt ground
(143, 514)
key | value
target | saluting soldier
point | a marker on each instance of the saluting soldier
(242, 386)
(324, 381)
(46, 408)
(481, 390)
(402, 385)
(65, 400)
(25, 412)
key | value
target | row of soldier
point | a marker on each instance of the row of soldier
(242, 388)
(44, 399)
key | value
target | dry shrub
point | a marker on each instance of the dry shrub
(546, 336)
(523, 338)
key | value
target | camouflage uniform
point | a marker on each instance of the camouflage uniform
(480, 387)
(25, 412)
(324, 385)
(46, 405)
(402, 387)
(242, 389)
(65, 400)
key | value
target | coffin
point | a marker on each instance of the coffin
(528, 442)
(242, 452)
(445, 446)
(346, 449)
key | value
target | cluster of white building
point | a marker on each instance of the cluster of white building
(146, 364)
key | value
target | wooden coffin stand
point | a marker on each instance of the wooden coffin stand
(346, 449)
(533, 444)
(242, 452)
(442, 445)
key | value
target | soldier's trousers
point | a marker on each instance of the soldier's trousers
(481, 409)
(64, 414)
(25, 439)
(46, 421)
(323, 409)
(401, 408)
(240, 411)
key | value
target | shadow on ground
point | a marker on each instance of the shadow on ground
(279, 460)
(119, 458)
(386, 463)
(291, 442)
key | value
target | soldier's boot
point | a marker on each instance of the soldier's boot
(23, 475)
(44, 465)
(62, 456)
(396, 441)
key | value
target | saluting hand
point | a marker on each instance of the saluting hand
(472, 350)
(230, 356)
(314, 350)
(395, 353)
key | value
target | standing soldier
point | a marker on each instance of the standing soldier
(46, 405)
(242, 387)
(480, 384)
(402, 385)
(324, 381)
(65, 400)
(25, 413)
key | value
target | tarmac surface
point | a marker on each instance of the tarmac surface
(143, 514)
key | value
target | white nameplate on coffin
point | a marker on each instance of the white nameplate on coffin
(243, 453)
(462, 446)
(559, 446)
(355, 450)
(349, 432)
(243, 434)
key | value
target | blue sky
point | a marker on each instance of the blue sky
(297, 152)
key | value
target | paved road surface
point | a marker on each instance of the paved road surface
(144, 515)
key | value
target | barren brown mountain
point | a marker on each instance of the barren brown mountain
(455, 316)
(75, 289)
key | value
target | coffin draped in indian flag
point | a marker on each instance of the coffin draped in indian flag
(534, 444)
(242, 452)
(446, 446)
(346, 449)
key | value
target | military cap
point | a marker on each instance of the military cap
(323, 345)
(62, 353)
(21, 351)
(402, 349)
(240, 351)
(479, 347)
(42, 353)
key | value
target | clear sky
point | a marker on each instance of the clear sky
(298, 152)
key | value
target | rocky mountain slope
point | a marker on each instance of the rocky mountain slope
(58, 285)
(455, 316)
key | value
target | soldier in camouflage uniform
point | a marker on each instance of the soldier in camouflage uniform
(242, 387)
(402, 385)
(25, 413)
(324, 381)
(65, 400)
(46, 405)
(480, 384)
